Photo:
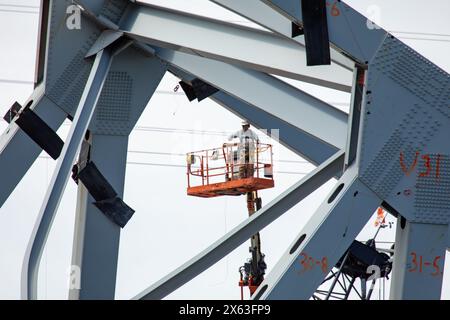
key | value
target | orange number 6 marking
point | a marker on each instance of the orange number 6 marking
(334, 9)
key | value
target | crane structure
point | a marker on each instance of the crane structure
(100, 61)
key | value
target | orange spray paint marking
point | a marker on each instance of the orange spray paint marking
(308, 263)
(407, 171)
(380, 217)
(436, 266)
(427, 165)
(324, 265)
(414, 262)
(361, 78)
(420, 265)
(303, 262)
(334, 9)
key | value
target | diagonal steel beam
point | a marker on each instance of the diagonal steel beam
(289, 136)
(242, 46)
(315, 117)
(322, 241)
(41, 230)
(265, 16)
(17, 151)
(349, 31)
(246, 229)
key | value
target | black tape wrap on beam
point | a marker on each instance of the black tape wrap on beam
(202, 89)
(188, 90)
(315, 27)
(296, 30)
(106, 199)
(40, 132)
(198, 90)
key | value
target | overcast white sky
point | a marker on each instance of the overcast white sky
(170, 227)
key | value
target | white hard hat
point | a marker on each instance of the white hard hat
(245, 123)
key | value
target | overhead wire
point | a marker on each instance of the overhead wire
(19, 6)
(16, 81)
(180, 166)
(184, 154)
(18, 11)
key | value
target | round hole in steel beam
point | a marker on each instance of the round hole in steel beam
(297, 243)
(402, 222)
(335, 193)
(87, 135)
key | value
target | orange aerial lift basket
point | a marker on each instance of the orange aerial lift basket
(230, 170)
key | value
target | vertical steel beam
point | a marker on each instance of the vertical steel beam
(50, 205)
(96, 238)
(354, 117)
(419, 261)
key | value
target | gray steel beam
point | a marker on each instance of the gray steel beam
(17, 151)
(263, 15)
(242, 46)
(289, 136)
(53, 196)
(419, 261)
(349, 31)
(96, 238)
(322, 241)
(246, 229)
(354, 117)
(267, 93)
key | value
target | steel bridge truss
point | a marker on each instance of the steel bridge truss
(103, 75)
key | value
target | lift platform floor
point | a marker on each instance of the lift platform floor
(231, 188)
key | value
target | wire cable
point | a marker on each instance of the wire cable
(183, 155)
(180, 166)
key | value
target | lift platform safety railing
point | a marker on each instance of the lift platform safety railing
(232, 169)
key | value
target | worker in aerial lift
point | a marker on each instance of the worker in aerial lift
(248, 141)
